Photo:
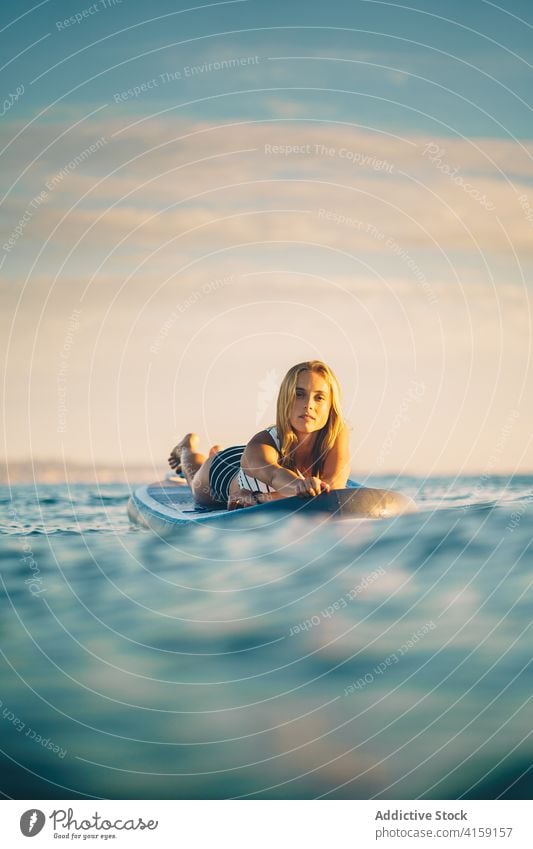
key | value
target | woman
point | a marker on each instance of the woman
(306, 453)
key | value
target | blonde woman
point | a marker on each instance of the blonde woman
(305, 453)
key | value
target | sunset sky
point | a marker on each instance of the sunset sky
(195, 197)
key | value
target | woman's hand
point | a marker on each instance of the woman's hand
(304, 487)
(247, 498)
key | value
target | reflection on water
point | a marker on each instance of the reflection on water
(349, 659)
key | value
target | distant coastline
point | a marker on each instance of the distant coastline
(55, 471)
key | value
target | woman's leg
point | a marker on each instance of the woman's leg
(185, 456)
(195, 467)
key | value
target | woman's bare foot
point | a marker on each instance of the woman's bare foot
(184, 458)
(174, 462)
(190, 440)
(214, 450)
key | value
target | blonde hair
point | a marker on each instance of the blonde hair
(327, 436)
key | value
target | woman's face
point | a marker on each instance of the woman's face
(312, 403)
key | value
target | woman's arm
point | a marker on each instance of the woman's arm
(260, 460)
(337, 466)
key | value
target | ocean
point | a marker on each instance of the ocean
(305, 659)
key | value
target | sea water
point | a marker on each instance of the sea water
(301, 659)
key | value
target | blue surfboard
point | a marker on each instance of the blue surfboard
(167, 504)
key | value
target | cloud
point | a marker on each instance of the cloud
(202, 186)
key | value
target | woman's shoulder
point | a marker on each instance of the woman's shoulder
(344, 432)
(268, 436)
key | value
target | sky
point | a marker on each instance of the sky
(196, 196)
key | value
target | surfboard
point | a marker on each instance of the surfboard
(167, 504)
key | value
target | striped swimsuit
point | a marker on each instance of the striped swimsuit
(227, 463)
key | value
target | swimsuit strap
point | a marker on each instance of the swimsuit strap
(273, 431)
